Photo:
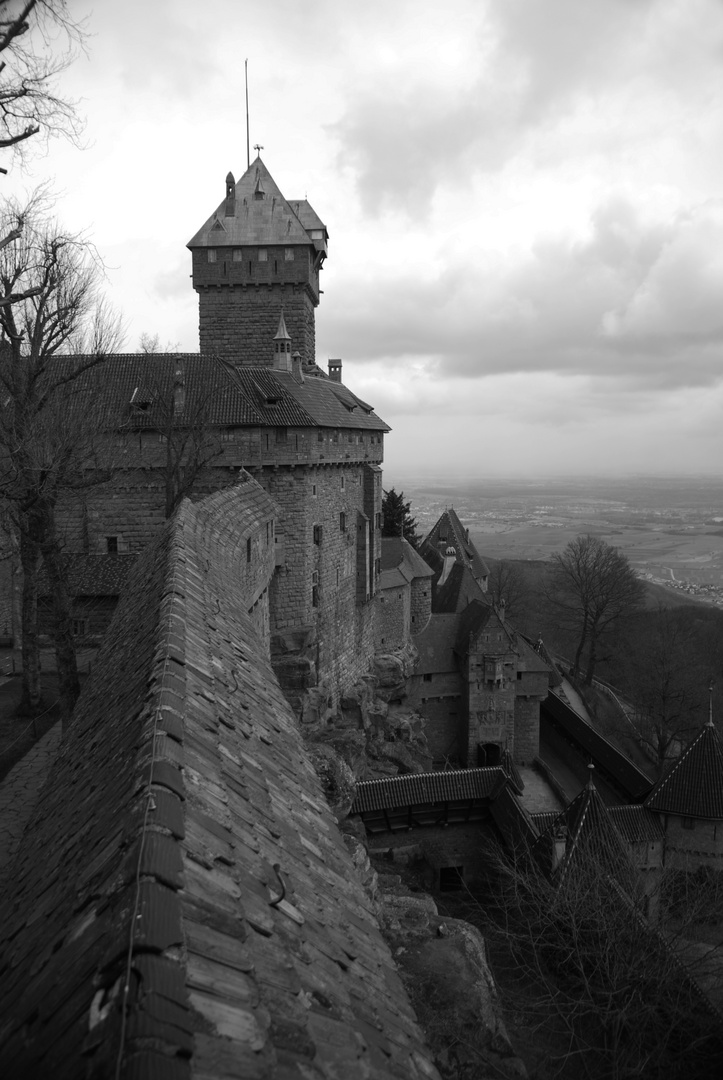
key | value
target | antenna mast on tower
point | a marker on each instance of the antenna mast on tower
(246, 76)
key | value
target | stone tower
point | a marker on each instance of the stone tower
(256, 255)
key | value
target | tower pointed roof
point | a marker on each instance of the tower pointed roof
(261, 215)
(282, 334)
(590, 833)
(693, 786)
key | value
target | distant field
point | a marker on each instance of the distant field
(695, 555)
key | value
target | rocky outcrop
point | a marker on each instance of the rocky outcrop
(443, 964)
(372, 730)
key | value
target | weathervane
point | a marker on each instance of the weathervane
(258, 147)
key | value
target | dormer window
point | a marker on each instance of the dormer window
(317, 234)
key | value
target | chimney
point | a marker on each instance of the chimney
(335, 370)
(450, 559)
(296, 368)
(230, 196)
(282, 346)
(179, 390)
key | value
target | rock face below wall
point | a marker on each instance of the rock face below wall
(443, 965)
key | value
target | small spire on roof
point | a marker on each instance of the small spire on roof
(710, 706)
(590, 781)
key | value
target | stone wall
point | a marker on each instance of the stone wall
(421, 604)
(393, 617)
(692, 843)
(239, 323)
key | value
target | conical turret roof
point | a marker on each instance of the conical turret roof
(693, 786)
(591, 834)
(260, 215)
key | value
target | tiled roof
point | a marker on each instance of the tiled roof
(590, 830)
(458, 590)
(450, 528)
(143, 930)
(472, 621)
(605, 756)
(267, 220)
(635, 824)
(693, 786)
(137, 388)
(330, 403)
(93, 575)
(131, 385)
(421, 788)
(398, 552)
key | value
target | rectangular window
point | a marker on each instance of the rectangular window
(342, 522)
(343, 482)
(427, 678)
(282, 434)
(248, 550)
(317, 534)
(238, 255)
(313, 491)
(111, 545)
(289, 254)
(314, 595)
(688, 823)
(80, 627)
(320, 436)
(212, 254)
(263, 255)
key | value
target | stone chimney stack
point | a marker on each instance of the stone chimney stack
(335, 370)
(179, 390)
(296, 367)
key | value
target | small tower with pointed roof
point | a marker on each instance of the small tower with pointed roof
(257, 252)
(689, 798)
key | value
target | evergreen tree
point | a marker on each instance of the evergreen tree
(397, 518)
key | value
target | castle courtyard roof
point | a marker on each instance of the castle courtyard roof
(693, 786)
(182, 904)
(399, 555)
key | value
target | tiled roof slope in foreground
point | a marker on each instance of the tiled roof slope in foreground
(144, 933)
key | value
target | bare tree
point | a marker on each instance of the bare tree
(507, 581)
(192, 441)
(619, 997)
(592, 588)
(38, 39)
(664, 677)
(52, 436)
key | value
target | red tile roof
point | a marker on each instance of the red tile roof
(693, 786)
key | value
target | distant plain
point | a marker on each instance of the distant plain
(671, 529)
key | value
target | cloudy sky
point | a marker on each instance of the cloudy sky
(524, 200)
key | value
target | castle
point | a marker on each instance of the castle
(255, 402)
(183, 903)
